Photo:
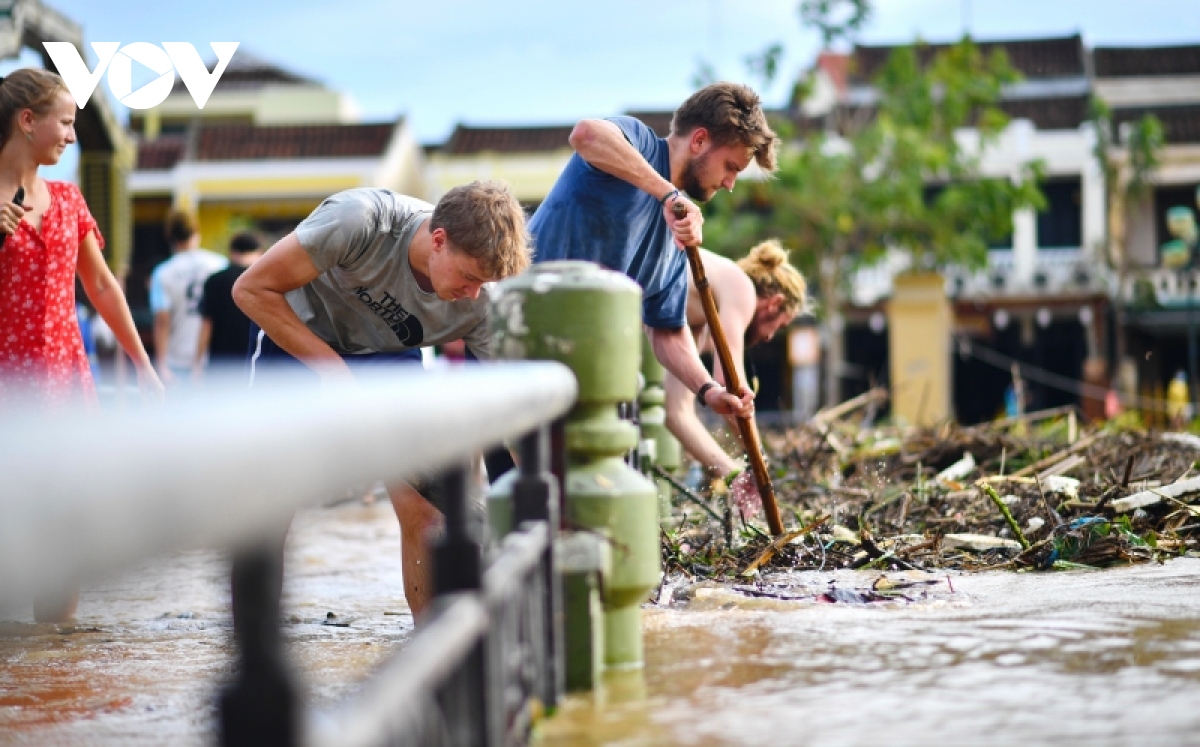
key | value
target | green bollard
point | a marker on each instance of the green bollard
(589, 318)
(665, 452)
(583, 559)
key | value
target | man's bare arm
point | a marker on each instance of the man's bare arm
(676, 350)
(260, 293)
(602, 144)
(692, 435)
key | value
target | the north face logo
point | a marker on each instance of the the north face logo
(407, 327)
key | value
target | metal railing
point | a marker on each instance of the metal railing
(1173, 288)
(81, 496)
(1055, 271)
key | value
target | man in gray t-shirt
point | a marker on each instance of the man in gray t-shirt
(372, 274)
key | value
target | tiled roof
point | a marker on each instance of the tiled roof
(837, 67)
(659, 121)
(1034, 58)
(228, 142)
(1181, 124)
(1049, 113)
(160, 154)
(1046, 113)
(1116, 62)
(467, 140)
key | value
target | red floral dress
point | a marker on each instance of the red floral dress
(42, 359)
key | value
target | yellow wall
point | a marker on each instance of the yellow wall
(268, 105)
(224, 206)
(919, 324)
(220, 219)
(530, 175)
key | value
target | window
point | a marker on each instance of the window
(1060, 225)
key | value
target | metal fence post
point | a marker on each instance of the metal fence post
(458, 566)
(536, 498)
(457, 558)
(262, 707)
(558, 464)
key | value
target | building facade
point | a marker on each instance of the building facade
(1158, 292)
(1048, 296)
(267, 148)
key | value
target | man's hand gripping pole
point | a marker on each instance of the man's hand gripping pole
(746, 426)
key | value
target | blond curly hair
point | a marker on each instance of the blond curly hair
(768, 268)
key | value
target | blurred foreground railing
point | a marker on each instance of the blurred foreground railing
(84, 496)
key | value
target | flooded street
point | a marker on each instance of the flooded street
(150, 647)
(1096, 658)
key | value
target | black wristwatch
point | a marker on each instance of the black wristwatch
(703, 390)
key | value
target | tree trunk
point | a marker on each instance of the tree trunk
(1119, 255)
(834, 328)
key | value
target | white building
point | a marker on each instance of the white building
(1043, 297)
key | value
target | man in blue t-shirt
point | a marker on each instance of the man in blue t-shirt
(613, 205)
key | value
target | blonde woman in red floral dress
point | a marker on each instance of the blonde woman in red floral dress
(49, 241)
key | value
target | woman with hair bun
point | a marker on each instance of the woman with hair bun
(756, 297)
(50, 239)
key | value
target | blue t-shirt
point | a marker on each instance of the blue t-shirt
(596, 216)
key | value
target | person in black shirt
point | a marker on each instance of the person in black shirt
(225, 329)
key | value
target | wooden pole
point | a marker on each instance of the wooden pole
(746, 426)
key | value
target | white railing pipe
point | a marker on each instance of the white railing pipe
(82, 495)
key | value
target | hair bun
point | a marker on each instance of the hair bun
(767, 267)
(769, 254)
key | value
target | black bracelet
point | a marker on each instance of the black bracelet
(703, 390)
(668, 195)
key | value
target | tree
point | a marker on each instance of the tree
(895, 175)
(835, 19)
(1127, 169)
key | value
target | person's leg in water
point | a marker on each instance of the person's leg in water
(419, 521)
(57, 607)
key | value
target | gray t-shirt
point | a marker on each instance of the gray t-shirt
(366, 299)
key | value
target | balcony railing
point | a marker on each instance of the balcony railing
(1056, 271)
(1162, 286)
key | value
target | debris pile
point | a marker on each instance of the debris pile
(1033, 492)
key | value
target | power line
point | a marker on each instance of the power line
(972, 349)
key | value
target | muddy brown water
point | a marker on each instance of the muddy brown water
(1095, 658)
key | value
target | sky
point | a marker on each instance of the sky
(488, 62)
